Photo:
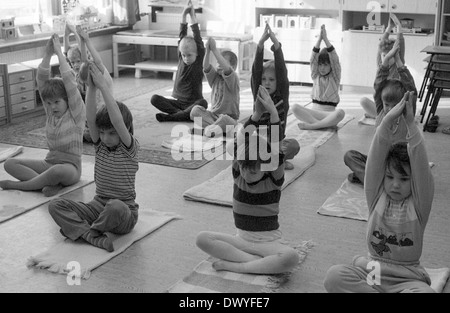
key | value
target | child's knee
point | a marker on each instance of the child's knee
(340, 114)
(10, 164)
(116, 207)
(204, 240)
(349, 157)
(333, 278)
(289, 260)
(155, 99)
(55, 207)
(296, 108)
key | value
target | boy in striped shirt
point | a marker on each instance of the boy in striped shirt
(113, 210)
(257, 247)
(66, 115)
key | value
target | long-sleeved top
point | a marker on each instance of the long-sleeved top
(282, 92)
(188, 86)
(225, 92)
(64, 134)
(256, 205)
(383, 75)
(326, 88)
(396, 229)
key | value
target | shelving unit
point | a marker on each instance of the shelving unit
(297, 23)
(443, 26)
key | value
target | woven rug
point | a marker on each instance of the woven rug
(88, 257)
(204, 279)
(14, 202)
(150, 133)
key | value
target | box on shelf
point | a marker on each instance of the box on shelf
(307, 22)
(281, 21)
(270, 19)
(9, 33)
(293, 21)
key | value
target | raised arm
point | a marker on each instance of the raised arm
(75, 104)
(69, 29)
(258, 62)
(421, 176)
(314, 61)
(224, 64)
(91, 110)
(376, 160)
(113, 110)
(88, 43)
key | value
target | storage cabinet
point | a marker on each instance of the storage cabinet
(3, 94)
(300, 4)
(392, 6)
(21, 100)
(359, 69)
(297, 24)
(443, 23)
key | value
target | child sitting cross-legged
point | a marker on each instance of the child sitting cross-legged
(257, 247)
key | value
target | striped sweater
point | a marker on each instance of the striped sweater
(64, 134)
(115, 171)
(256, 205)
(326, 88)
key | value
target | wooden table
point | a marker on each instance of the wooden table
(241, 44)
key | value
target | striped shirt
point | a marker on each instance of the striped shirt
(326, 88)
(64, 134)
(115, 171)
(256, 205)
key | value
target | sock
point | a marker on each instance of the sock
(160, 117)
(102, 242)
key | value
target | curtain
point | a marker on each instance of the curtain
(123, 12)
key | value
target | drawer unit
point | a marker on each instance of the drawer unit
(22, 90)
(3, 94)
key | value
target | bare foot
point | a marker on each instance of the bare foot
(5, 184)
(219, 266)
(50, 191)
(304, 126)
(288, 166)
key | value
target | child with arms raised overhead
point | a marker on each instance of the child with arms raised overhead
(388, 92)
(256, 248)
(326, 75)
(113, 210)
(273, 76)
(399, 190)
(66, 116)
(225, 95)
(188, 86)
(372, 110)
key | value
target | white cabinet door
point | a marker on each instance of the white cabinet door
(366, 5)
(359, 59)
(300, 4)
(394, 6)
(428, 6)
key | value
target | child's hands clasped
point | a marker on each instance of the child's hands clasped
(403, 108)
